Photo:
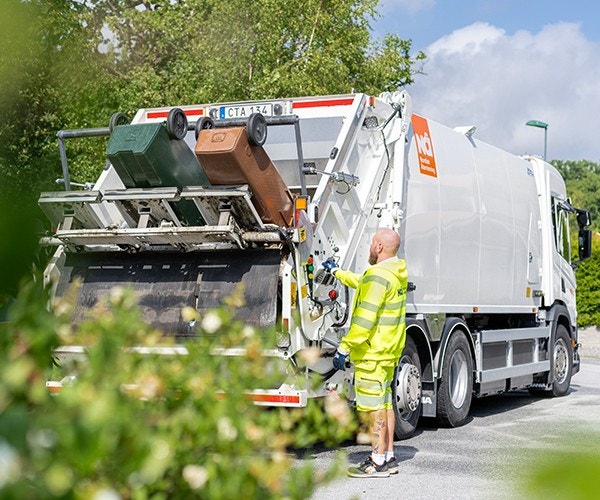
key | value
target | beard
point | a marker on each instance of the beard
(372, 258)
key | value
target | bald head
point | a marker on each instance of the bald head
(385, 244)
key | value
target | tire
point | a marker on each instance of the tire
(116, 119)
(256, 129)
(561, 362)
(177, 125)
(407, 420)
(203, 123)
(455, 391)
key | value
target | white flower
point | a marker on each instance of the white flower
(338, 409)
(248, 331)
(364, 438)
(310, 355)
(106, 494)
(195, 475)
(10, 466)
(226, 429)
(42, 438)
(116, 294)
(189, 314)
(211, 322)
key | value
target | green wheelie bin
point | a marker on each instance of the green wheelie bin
(149, 155)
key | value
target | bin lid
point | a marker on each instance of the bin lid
(136, 138)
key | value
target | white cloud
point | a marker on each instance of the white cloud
(470, 39)
(479, 75)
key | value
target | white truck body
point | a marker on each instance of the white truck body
(491, 302)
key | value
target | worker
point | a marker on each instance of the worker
(374, 343)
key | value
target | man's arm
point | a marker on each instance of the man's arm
(347, 278)
(364, 317)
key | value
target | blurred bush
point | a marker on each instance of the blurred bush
(148, 426)
(568, 467)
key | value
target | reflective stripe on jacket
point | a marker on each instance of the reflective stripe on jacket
(378, 329)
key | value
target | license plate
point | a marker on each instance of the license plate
(244, 111)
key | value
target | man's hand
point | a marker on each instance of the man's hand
(329, 265)
(339, 360)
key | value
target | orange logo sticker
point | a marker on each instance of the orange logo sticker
(425, 152)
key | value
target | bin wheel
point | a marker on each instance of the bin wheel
(256, 129)
(116, 119)
(177, 125)
(204, 122)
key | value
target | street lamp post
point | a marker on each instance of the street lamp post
(539, 124)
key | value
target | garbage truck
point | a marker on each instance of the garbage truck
(195, 199)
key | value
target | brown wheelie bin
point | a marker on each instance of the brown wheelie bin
(228, 159)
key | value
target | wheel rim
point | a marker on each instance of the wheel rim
(561, 361)
(256, 129)
(180, 122)
(261, 130)
(413, 388)
(177, 124)
(117, 119)
(459, 379)
(408, 389)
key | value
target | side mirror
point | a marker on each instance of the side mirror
(583, 218)
(585, 244)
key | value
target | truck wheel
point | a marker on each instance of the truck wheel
(562, 362)
(177, 125)
(117, 118)
(455, 391)
(561, 366)
(203, 123)
(406, 391)
(256, 129)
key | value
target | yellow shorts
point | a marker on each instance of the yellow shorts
(373, 385)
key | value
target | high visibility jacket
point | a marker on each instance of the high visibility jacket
(378, 328)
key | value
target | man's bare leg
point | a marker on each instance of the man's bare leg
(379, 432)
(391, 427)
(376, 427)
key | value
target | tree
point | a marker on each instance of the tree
(588, 288)
(203, 50)
(583, 185)
(51, 78)
(78, 62)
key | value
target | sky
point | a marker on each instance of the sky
(496, 64)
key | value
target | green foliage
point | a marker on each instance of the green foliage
(18, 245)
(588, 288)
(569, 470)
(66, 64)
(583, 185)
(206, 51)
(21, 52)
(140, 426)
(51, 78)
